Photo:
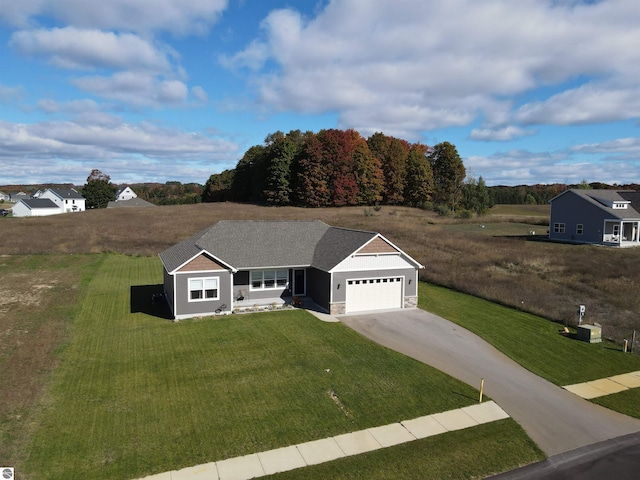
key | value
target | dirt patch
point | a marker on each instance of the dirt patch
(35, 315)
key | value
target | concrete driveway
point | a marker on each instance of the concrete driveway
(558, 421)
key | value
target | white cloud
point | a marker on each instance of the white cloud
(137, 89)
(10, 94)
(200, 94)
(71, 47)
(501, 134)
(592, 103)
(140, 152)
(620, 145)
(442, 63)
(183, 17)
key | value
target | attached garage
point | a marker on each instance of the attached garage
(374, 294)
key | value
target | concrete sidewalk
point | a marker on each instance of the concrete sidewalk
(333, 448)
(605, 386)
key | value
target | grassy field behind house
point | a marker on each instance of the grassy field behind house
(493, 256)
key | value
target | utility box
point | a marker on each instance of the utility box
(589, 333)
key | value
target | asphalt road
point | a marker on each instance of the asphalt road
(558, 421)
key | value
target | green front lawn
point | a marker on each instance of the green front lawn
(136, 394)
(534, 342)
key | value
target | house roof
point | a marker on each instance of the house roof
(67, 193)
(36, 203)
(602, 198)
(263, 244)
(132, 202)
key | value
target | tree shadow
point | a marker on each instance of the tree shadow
(149, 299)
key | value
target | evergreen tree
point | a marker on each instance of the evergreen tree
(369, 176)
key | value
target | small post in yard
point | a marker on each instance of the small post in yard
(481, 389)
(633, 340)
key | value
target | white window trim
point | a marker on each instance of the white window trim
(275, 279)
(579, 229)
(204, 280)
(558, 227)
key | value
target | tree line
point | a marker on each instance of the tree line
(334, 168)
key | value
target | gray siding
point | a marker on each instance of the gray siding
(573, 210)
(339, 294)
(241, 282)
(319, 287)
(184, 307)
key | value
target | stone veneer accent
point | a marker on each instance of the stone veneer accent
(337, 308)
(410, 302)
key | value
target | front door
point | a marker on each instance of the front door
(299, 287)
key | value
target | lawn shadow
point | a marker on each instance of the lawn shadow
(150, 299)
(460, 394)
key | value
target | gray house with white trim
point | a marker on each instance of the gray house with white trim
(236, 263)
(602, 217)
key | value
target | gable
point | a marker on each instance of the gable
(377, 245)
(202, 263)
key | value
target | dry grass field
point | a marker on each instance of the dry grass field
(493, 256)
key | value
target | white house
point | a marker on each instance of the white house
(125, 193)
(67, 199)
(35, 207)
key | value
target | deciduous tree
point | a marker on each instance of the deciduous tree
(98, 191)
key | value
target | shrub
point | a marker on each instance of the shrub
(465, 213)
(443, 210)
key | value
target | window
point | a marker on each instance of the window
(616, 230)
(558, 228)
(579, 229)
(269, 279)
(201, 289)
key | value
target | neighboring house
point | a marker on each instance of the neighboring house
(35, 207)
(4, 197)
(124, 194)
(235, 263)
(603, 217)
(132, 202)
(67, 199)
(16, 197)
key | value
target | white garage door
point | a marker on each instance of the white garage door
(373, 294)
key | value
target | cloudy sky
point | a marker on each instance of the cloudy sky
(530, 91)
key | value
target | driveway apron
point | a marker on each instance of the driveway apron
(557, 420)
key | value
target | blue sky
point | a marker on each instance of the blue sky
(531, 91)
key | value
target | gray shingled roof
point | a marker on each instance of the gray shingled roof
(598, 196)
(261, 244)
(39, 203)
(67, 193)
(132, 202)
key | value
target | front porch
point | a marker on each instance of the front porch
(275, 303)
(622, 233)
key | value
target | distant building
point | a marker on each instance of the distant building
(52, 201)
(67, 199)
(35, 207)
(132, 202)
(602, 217)
(125, 193)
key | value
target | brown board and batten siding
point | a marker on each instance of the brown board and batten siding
(377, 245)
(202, 263)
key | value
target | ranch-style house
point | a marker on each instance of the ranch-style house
(235, 264)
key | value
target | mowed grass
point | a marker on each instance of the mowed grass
(536, 343)
(135, 394)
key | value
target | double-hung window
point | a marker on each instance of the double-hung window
(201, 289)
(579, 229)
(269, 279)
